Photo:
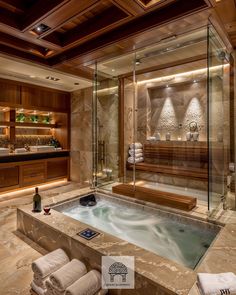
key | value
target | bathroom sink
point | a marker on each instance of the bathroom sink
(42, 148)
(4, 151)
(20, 151)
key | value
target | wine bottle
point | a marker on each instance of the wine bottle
(37, 201)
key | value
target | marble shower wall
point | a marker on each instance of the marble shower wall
(107, 114)
(170, 109)
(81, 135)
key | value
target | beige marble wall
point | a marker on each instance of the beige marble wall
(107, 114)
(81, 135)
(170, 109)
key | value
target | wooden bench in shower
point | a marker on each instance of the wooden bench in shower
(179, 159)
(172, 200)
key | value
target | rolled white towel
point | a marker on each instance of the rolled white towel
(139, 155)
(39, 281)
(151, 138)
(133, 160)
(49, 263)
(135, 151)
(217, 284)
(89, 284)
(68, 274)
(37, 289)
(136, 145)
(50, 290)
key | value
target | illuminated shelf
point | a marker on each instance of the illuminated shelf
(28, 125)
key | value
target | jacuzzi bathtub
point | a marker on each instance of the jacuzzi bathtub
(178, 238)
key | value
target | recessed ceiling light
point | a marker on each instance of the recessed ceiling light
(41, 29)
(194, 81)
(113, 70)
(52, 78)
(32, 76)
(138, 62)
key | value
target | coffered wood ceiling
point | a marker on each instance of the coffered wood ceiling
(78, 32)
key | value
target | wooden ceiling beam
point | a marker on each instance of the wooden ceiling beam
(101, 21)
(40, 11)
(67, 13)
(18, 44)
(9, 18)
(14, 5)
(150, 20)
(10, 51)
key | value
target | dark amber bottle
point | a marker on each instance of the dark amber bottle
(37, 201)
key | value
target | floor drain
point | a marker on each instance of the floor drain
(181, 230)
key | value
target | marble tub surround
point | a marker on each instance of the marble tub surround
(153, 273)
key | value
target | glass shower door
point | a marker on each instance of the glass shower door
(218, 127)
(105, 128)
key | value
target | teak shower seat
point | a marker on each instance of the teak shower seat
(159, 197)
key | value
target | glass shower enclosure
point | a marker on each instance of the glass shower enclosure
(170, 101)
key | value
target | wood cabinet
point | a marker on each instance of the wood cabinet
(34, 173)
(22, 95)
(30, 173)
(41, 98)
(10, 94)
(9, 177)
(57, 168)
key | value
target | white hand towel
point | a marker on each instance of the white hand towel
(68, 274)
(51, 290)
(136, 145)
(135, 151)
(133, 160)
(37, 289)
(217, 284)
(89, 284)
(39, 281)
(49, 263)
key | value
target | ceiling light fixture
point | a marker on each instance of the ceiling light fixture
(52, 78)
(41, 29)
(138, 62)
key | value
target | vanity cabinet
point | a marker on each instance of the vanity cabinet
(33, 173)
(57, 168)
(9, 177)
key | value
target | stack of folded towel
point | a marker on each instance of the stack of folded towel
(55, 274)
(217, 284)
(64, 277)
(135, 153)
(44, 266)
